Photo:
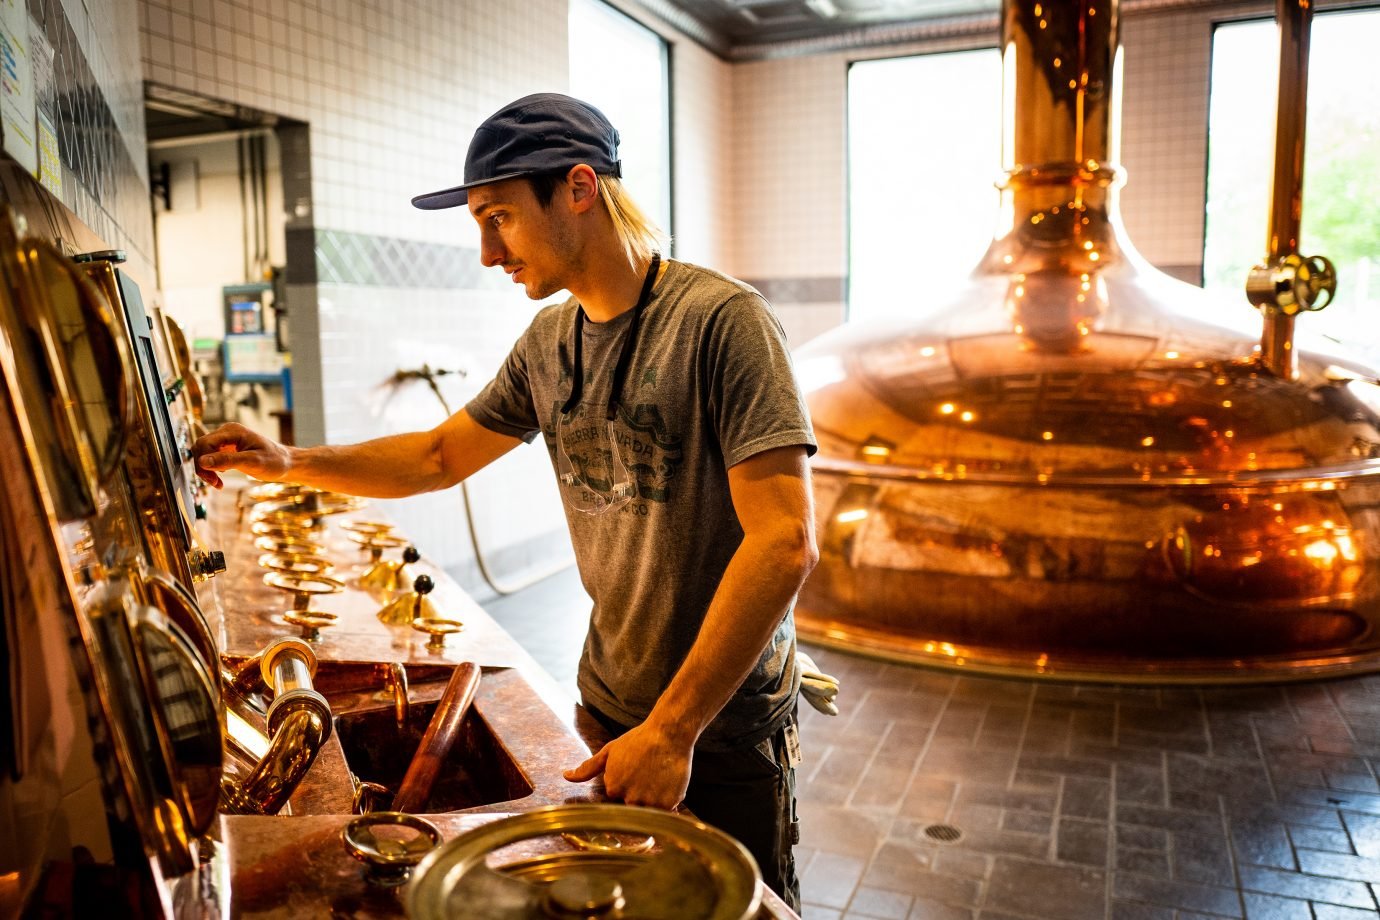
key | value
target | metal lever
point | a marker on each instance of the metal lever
(440, 737)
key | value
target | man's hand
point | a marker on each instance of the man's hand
(646, 766)
(235, 447)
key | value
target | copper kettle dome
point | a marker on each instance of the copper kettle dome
(1059, 469)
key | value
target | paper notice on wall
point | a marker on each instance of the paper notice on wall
(17, 85)
(49, 160)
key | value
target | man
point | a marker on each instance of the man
(665, 395)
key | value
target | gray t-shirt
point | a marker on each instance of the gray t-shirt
(709, 385)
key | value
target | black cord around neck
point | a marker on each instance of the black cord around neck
(620, 370)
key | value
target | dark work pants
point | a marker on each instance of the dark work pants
(750, 795)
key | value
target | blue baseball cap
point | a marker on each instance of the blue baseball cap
(540, 133)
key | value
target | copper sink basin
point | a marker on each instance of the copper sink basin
(478, 771)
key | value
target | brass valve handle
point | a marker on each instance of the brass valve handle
(1295, 284)
(297, 563)
(280, 531)
(311, 622)
(274, 491)
(389, 858)
(375, 543)
(303, 588)
(289, 547)
(291, 518)
(368, 526)
(437, 628)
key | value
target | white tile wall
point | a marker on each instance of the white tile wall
(392, 91)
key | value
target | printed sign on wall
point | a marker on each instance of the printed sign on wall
(16, 78)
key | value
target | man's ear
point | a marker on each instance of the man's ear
(583, 187)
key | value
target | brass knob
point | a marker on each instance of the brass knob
(303, 588)
(389, 857)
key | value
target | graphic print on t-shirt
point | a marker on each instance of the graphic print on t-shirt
(647, 448)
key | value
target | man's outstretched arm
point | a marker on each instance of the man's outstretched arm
(390, 467)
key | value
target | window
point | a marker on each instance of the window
(621, 68)
(924, 148)
(1341, 185)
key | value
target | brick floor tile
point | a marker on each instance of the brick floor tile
(1027, 822)
(925, 909)
(1351, 781)
(1179, 895)
(896, 868)
(883, 784)
(816, 912)
(1132, 910)
(1040, 890)
(1011, 797)
(969, 765)
(1144, 862)
(1070, 766)
(1190, 822)
(962, 862)
(928, 797)
(1002, 843)
(1270, 907)
(831, 880)
(1317, 838)
(1365, 833)
(1194, 781)
(880, 903)
(1333, 912)
(1085, 797)
(832, 829)
(1315, 888)
(1202, 858)
(1367, 803)
(1337, 865)
(1082, 842)
(1262, 842)
(1146, 785)
(1294, 815)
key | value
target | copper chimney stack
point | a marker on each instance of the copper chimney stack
(1058, 469)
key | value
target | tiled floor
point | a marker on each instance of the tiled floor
(1068, 801)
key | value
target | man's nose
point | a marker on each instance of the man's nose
(491, 250)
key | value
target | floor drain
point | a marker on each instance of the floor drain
(944, 833)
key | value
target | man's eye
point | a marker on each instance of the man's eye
(496, 220)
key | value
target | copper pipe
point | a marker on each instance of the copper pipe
(1294, 18)
(439, 738)
(296, 742)
(299, 722)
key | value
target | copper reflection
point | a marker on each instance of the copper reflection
(1059, 469)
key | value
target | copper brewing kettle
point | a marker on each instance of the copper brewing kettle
(1059, 470)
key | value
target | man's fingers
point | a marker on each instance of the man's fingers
(590, 768)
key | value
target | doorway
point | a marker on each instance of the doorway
(231, 204)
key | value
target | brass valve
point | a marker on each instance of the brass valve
(1292, 285)
(303, 588)
(205, 564)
